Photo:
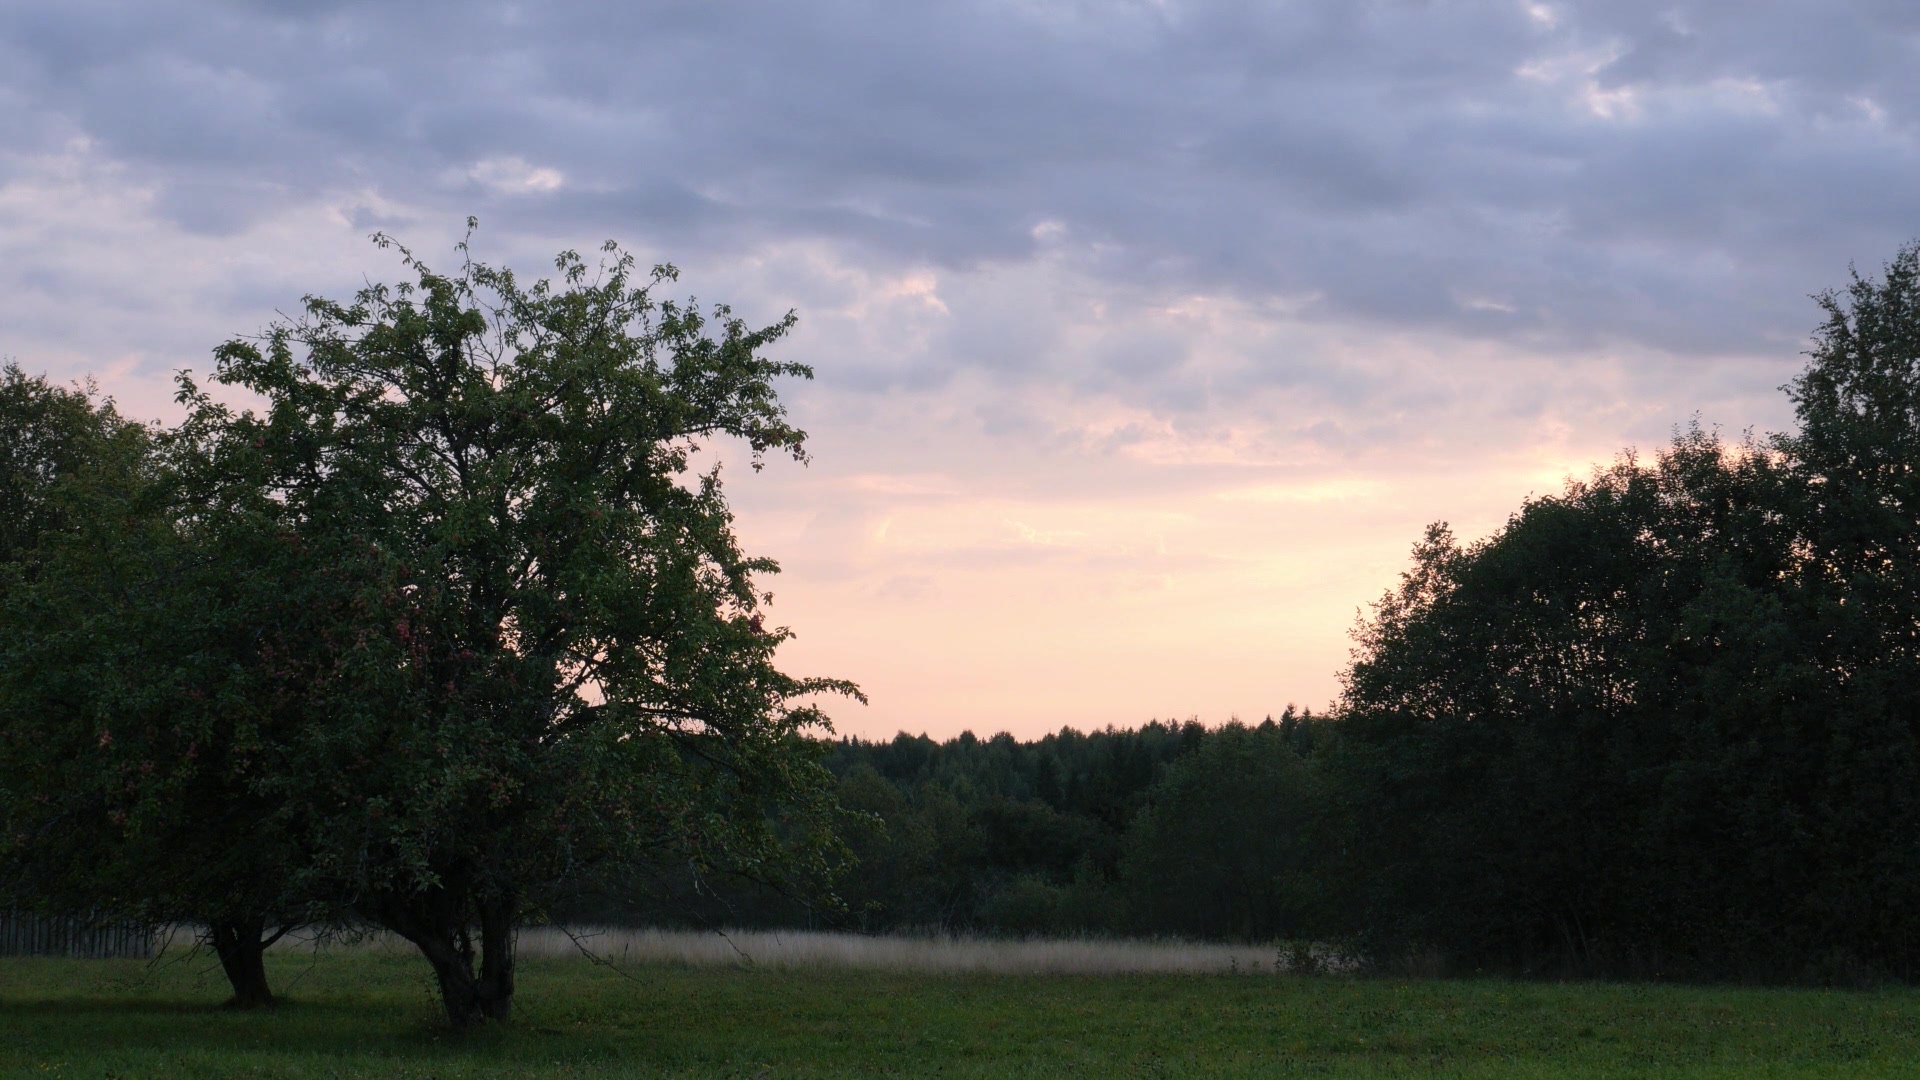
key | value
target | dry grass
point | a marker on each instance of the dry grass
(800, 949)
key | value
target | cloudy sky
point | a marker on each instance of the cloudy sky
(1148, 335)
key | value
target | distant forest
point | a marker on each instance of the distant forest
(1168, 829)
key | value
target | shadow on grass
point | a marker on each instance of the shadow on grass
(57, 1026)
(66, 1007)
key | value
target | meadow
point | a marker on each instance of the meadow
(826, 1005)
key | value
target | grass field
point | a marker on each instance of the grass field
(371, 1012)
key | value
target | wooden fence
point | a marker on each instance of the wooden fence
(38, 935)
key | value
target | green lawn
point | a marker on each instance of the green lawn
(373, 1015)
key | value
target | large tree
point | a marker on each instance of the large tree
(1857, 454)
(1858, 448)
(1592, 740)
(67, 462)
(129, 677)
(525, 645)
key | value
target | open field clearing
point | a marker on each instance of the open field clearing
(370, 1012)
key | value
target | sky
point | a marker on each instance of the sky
(1147, 336)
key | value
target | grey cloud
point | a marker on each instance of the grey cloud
(1388, 157)
(1328, 168)
(215, 206)
(1143, 356)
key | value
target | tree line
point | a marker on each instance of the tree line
(1166, 829)
(448, 634)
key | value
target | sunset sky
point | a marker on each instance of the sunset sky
(1148, 336)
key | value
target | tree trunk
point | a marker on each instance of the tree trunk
(243, 954)
(437, 924)
(496, 958)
